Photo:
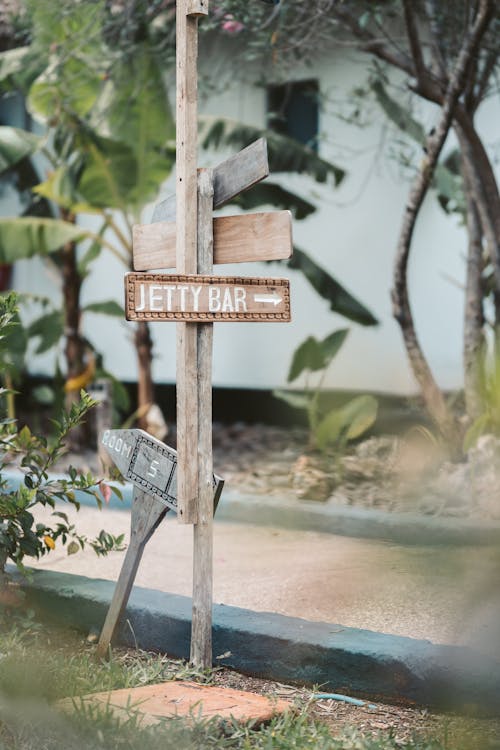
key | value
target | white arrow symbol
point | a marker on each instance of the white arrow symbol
(269, 299)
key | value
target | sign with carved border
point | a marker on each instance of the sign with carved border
(149, 464)
(206, 299)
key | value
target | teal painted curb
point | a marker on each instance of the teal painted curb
(401, 528)
(373, 665)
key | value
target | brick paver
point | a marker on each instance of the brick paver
(189, 699)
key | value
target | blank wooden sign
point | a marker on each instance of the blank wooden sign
(237, 239)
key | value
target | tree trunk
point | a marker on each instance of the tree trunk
(145, 387)
(75, 345)
(484, 189)
(433, 397)
(473, 313)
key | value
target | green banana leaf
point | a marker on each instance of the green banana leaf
(109, 307)
(137, 113)
(341, 301)
(16, 145)
(49, 328)
(29, 236)
(267, 193)
(285, 154)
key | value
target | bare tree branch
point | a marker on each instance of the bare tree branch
(413, 39)
(473, 308)
(369, 43)
(432, 394)
(483, 80)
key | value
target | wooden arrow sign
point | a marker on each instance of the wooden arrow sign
(237, 239)
(233, 176)
(149, 464)
(206, 299)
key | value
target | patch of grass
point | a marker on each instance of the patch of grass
(38, 666)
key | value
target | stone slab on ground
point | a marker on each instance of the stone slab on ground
(183, 698)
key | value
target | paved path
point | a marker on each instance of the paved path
(447, 594)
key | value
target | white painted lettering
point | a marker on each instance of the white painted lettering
(153, 468)
(240, 296)
(169, 290)
(105, 437)
(118, 445)
(195, 290)
(142, 299)
(213, 299)
(155, 300)
(182, 304)
(227, 303)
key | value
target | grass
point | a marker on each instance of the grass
(38, 666)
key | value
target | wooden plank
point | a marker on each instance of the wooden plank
(147, 514)
(186, 195)
(203, 299)
(149, 464)
(232, 177)
(197, 8)
(237, 239)
(201, 630)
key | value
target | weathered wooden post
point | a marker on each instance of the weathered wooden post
(184, 234)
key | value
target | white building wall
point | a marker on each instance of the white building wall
(353, 235)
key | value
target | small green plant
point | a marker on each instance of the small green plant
(488, 421)
(341, 424)
(20, 534)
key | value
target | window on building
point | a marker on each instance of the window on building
(293, 110)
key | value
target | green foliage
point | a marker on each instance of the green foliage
(28, 236)
(20, 534)
(15, 145)
(288, 155)
(341, 301)
(285, 153)
(488, 421)
(339, 425)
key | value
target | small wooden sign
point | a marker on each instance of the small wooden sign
(237, 239)
(149, 464)
(232, 177)
(205, 299)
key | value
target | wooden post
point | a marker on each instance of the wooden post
(201, 630)
(147, 514)
(186, 251)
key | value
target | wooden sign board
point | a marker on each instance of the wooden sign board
(232, 177)
(149, 464)
(206, 299)
(237, 239)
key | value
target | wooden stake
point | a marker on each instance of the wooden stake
(147, 514)
(201, 631)
(186, 255)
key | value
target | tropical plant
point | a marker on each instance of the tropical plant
(20, 534)
(444, 53)
(341, 424)
(487, 420)
(110, 130)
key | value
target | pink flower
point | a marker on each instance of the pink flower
(105, 491)
(231, 25)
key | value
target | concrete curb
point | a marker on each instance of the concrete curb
(347, 660)
(401, 528)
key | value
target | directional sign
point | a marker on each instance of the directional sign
(149, 464)
(205, 299)
(237, 239)
(231, 177)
